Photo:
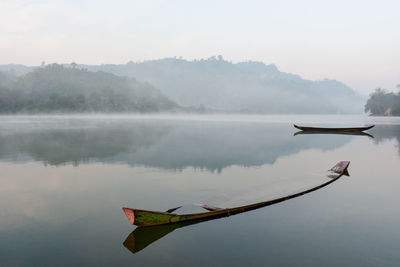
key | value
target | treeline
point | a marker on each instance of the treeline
(383, 103)
(55, 88)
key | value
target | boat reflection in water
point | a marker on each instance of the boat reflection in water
(333, 132)
(141, 237)
(154, 225)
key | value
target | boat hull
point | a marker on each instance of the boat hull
(151, 218)
(343, 130)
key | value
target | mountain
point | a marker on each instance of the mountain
(55, 88)
(250, 87)
(215, 84)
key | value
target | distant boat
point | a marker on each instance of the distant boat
(343, 130)
(152, 218)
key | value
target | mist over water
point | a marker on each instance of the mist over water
(162, 140)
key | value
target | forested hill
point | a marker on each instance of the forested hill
(56, 88)
(242, 87)
(212, 84)
(383, 103)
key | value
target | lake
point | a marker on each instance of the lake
(64, 180)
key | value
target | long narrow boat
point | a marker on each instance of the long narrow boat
(150, 218)
(348, 130)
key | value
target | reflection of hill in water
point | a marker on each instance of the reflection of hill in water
(77, 144)
(386, 132)
(163, 144)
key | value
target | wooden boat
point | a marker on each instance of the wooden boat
(320, 129)
(150, 218)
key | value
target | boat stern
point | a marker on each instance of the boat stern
(340, 168)
(130, 213)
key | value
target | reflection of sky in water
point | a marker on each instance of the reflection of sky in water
(61, 214)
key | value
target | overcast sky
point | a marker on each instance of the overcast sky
(356, 42)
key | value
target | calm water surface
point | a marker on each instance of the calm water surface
(64, 179)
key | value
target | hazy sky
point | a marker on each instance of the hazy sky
(356, 42)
